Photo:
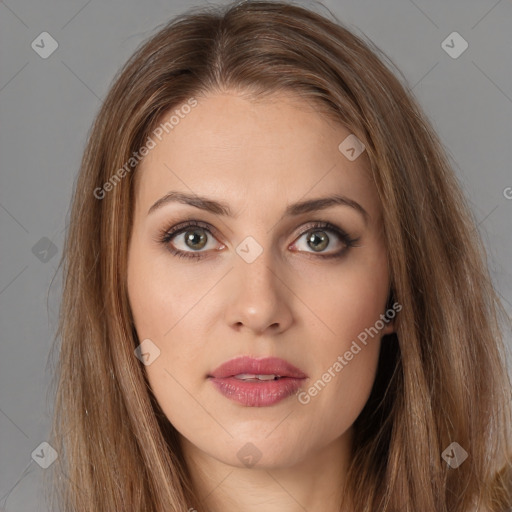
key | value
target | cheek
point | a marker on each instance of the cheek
(164, 304)
(335, 397)
(159, 309)
(161, 295)
(345, 351)
(347, 299)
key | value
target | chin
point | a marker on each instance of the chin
(259, 452)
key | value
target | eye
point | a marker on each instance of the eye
(187, 240)
(317, 239)
(184, 240)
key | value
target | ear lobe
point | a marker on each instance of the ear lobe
(389, 327)
(392, 308)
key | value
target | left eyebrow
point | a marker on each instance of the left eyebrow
(221, 208)
(313, 205)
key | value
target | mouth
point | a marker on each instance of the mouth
(247, 377)
(257, 382)
(267, 368)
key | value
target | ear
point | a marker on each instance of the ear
(392, 309)
(389, 327)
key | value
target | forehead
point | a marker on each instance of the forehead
(279, 148)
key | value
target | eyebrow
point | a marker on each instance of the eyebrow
(221, 208)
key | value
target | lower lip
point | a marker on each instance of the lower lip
(257, 394)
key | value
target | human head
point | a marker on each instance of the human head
(448, 304)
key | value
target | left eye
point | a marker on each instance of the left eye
(317, 240)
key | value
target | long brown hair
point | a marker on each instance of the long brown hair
(442, 377)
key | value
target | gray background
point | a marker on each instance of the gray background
(47, 106)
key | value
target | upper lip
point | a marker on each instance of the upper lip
(264, 366)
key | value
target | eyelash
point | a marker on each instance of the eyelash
(166, 235)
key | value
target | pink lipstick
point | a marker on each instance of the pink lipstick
(257, 382)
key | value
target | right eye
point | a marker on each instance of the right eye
(193, 241)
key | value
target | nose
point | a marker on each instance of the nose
(259, 296)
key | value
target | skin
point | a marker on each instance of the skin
(259, 156)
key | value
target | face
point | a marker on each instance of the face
(291, 285)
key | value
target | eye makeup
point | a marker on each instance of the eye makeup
(165, 237)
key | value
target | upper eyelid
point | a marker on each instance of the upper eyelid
(182, 226)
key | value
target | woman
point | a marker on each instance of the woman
(324, 337)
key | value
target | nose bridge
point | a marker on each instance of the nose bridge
(257, 300)
(255, 268)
